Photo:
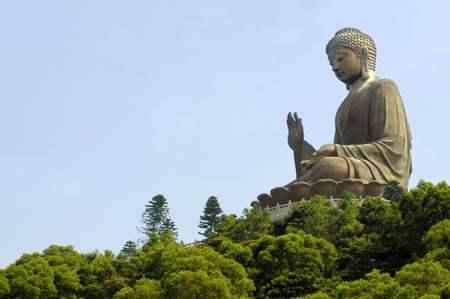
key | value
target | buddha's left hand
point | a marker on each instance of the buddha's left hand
(327, 150)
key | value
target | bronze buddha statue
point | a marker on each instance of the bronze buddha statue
(372, 141)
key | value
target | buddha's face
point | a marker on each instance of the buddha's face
(346, 65)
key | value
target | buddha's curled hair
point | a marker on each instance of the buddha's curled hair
(355, 40)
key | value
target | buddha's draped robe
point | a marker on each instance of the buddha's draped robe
(372, 138)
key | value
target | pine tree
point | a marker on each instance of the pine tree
(129, 249)
(156, 217)
(169, 225)
(211, 217)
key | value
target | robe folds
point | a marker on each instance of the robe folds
(372, 139)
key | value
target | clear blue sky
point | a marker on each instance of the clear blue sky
(108, 103)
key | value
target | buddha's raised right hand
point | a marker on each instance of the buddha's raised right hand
(295, 136)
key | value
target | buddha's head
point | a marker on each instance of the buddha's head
(352, 55)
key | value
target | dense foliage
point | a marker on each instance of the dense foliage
(253, 224)
(361, 248)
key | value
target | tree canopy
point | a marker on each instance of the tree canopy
(359, 248)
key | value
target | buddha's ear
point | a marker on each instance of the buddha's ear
(364, 63)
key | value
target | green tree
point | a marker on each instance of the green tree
(256, 222)
(393, 191)
(196, 284)
(422, 279)
(318, 295)
(338, 225)
(4, 285)
(253, 224)
(291, 265)
(438, 236)
(31, 277)
(322, 219)
(231, 227)
(169, 227)
(144, 289)
(375, 213)
(383, 230)
(104, 275)
(148, 288)
(125, 293)
(425, 277)
(241, 254)
(129, 249)
(440, 255)
(156, 218)
(193, 272)
(421, 208)
(375, 285)
(94, 274)
(210, 219)
(65, 263)
(291, 285)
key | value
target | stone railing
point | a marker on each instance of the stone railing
(278, 212)
(195, 243)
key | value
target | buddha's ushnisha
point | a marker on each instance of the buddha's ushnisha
(372, 140)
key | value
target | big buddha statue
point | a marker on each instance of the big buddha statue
(372, 141)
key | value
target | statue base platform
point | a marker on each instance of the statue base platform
(281, 199)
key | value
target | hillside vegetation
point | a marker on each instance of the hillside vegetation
(362, 248)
